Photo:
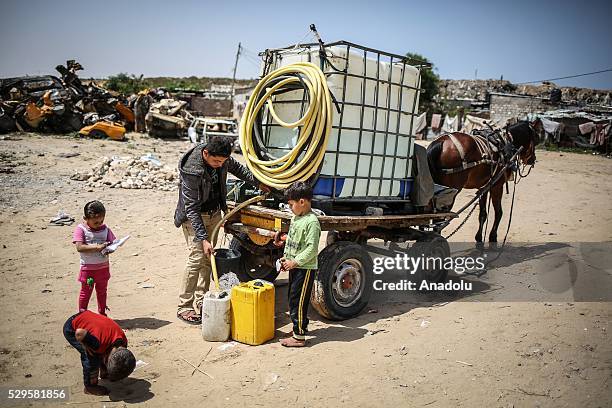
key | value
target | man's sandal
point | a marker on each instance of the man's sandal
(190, 317)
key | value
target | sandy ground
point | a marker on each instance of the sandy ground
(413, 350)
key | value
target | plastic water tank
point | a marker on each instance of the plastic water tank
(387, 137)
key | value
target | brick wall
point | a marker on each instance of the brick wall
(504, 107)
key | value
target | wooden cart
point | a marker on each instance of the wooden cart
(343, 284)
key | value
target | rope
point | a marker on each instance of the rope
(501, 250)
(462, 222)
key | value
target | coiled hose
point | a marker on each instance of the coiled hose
(306, 157)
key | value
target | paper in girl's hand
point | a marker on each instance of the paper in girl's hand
(115, 245)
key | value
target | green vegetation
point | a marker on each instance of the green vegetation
(429, 84)
(126, 84)
(130, 84)
(195, 83)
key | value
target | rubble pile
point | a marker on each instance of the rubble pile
(146, 172)
(168, 118)
(478, 88)
(473, 88)
(50, 104)
(579, 96)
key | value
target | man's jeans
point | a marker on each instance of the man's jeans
(195, 280)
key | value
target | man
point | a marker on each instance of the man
(141, 108)
(203, 173)
(102, 345)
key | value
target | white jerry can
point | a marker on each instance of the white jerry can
(216, 316)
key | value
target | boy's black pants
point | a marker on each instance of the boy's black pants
(300, 288)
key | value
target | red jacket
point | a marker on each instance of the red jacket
(102, 333)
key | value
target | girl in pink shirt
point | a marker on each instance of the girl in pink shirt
(90, 238)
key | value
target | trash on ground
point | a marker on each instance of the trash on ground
(61, 219)
(269, 379)
(140, 364)
(226, 346)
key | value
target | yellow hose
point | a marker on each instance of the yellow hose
(283, 171)
(215, 232)
(316, 123)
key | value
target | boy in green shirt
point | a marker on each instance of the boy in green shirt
(300, 259)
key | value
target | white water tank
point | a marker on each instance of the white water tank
(379, 99)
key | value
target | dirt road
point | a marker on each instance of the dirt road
(417, 350)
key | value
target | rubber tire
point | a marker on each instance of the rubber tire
(436, 245)
(329, 259)
(248, 262)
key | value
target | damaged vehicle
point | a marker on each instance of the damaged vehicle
(49, 104)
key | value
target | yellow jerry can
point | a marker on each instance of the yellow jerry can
(253, 312)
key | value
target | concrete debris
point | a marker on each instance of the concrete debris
(168, 118)
(130, 173)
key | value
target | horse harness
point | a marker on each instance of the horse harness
(489, 144)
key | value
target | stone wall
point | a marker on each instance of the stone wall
(505, 106)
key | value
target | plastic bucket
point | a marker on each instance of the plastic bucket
(228, 260)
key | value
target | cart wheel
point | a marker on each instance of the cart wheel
(253, 266)
(343, 284)
(432, 245)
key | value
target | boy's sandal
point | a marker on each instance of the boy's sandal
(190, 317)
(95, 390)
(292, 342)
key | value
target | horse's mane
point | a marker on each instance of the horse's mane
(521, 132)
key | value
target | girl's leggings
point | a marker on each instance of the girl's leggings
(100, 285)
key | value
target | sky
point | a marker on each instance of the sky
(519, 40)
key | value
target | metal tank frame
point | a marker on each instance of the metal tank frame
(271, 58)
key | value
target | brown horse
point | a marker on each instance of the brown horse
(459, 160)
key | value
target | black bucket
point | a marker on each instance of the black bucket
(228, 260)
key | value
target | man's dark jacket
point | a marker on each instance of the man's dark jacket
(195, 186)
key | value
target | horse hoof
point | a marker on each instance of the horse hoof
(493, 246)
(480, 246)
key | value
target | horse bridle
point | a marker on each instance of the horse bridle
(520, 168)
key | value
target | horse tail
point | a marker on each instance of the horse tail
(434, 150)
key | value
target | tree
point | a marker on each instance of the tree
(429, 83)
(125, 84)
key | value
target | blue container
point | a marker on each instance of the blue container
(406, 185)
(325, 186)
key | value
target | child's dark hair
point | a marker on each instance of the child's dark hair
(93, 209)
(219, 146)
(298, 190)
(121, 363)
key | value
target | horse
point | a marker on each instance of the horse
(459, 160)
